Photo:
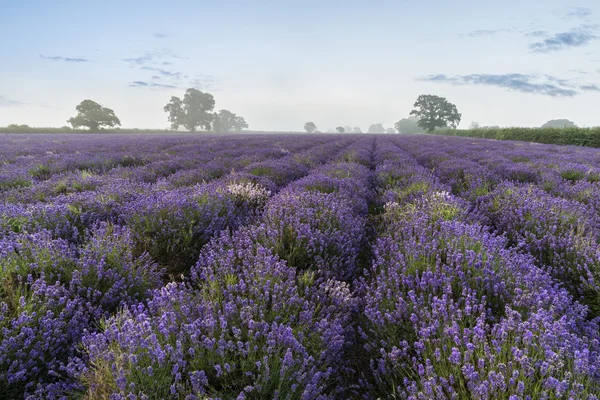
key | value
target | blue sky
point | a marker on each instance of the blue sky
(282, 63)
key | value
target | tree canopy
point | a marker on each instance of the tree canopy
(340, 129)
(310, 127)
(193, 112)
(559, 123)
(435, 112)
(93, 116)
(376, 128)
(226, 121)
(408, 125)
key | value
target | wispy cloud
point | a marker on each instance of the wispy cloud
(484, 32)
(152, 85)
(164, 72)
(593, 88)
(527, 83)
(574, 38)
(139, 60)
(6, 102)
(65, 59)
(537, 33)
(579, 71)
(579, 12)
(155, 57)
(160, 35)
(205, 82)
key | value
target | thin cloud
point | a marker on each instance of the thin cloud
(160, 35)
(537, 33)
(164, 72)
(592, 88)
(6, 102)
(484, 32)
(525, 83)
(65, 59)
(205, 82)
(579, 12)
(574, 38)
(154, 57)
(139, 60)
(152, 85)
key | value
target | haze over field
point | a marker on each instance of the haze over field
(280, 64)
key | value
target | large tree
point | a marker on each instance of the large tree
(376, 128)
(408, 125)
(559, 123)
(226, 121)
(340, 129)
(435, 112)
(93, 116)
(194, 111)
(310, 127)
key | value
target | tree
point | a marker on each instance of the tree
(176, 114)
(390, 130)
(340, 129)
(356, 129)
(93, 116)
(194, 111)
(347, 129)
(408, 125)
(435, 111)
(376, 128)
(310, 127)
(474, 125)
(226, 121)
(559, 123)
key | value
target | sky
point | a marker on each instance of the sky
(282, 63)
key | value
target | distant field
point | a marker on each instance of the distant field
(298, 267)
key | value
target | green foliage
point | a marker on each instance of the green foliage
(194, 111)
(408, 125)
(310, 127)
(589, 137)
(435, 111)
(226, 121)
(340, 129)
(376, 128)
(93, 116)
(559, 123)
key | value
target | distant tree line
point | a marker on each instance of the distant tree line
(196, 110)
(430, 112)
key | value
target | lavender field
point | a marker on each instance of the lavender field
(298, 267)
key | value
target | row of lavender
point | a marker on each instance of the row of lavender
(267, 312)
(544, 199)
(449, 310)
(69, 263)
